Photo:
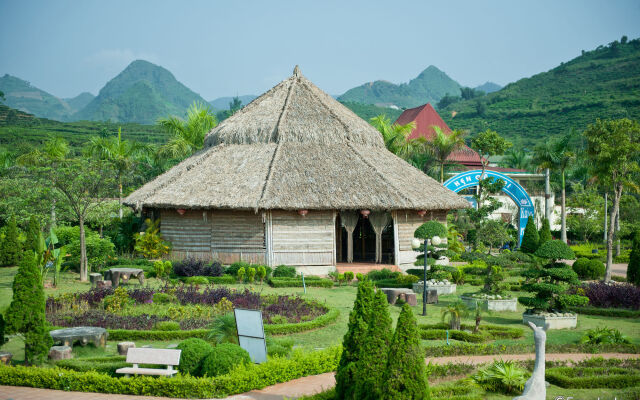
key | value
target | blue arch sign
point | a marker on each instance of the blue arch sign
(512, 188)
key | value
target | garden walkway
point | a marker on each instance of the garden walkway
(292, 389)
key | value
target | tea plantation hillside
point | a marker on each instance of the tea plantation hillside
(603, 83)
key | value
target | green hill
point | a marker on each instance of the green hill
(368, 111)
(222, 103)
(428, 87)
(488, 87)
(80, 101)
(603, 83)
(22, 96)
(142, 93)
(19, 130)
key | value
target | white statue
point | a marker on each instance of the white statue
(536, 388)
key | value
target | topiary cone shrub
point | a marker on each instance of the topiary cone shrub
(545, 233)
(11, 247)
(530, 239)
(549, 283)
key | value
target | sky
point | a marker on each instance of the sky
(245, 47)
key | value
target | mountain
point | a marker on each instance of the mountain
(602, 83)
(428, 87)
(222, 103)
(368, 111)
(488, 87)
(22, 96)
(80, 101)
(142, 93)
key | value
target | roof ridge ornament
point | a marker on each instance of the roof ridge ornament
(296, 72)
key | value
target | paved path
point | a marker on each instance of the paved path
(292, 389)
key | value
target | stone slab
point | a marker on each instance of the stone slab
(82, 334)
(563, 322)
(491, 304)
(123, 347)
(57, 353)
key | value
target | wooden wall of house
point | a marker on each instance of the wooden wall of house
(298, 240)
(405, 224)
(223, 235)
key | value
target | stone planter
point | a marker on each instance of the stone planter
(441, 287)
(552, 320)
(491, 304)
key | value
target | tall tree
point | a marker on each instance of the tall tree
(121, 154)
(405, 373)
(443, 145)
(516, 158)
(614, 148)
(544, 234)
(26, 313)
(557, 155)
(83, 184)
(352, 342)
(488, 143)
(187, 136)
(33, 234)
(531, 238)
(396, 136)
(11, 247)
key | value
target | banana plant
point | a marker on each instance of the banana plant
(48, 257)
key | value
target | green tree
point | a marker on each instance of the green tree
(633, 269)
(121, 154)
(33, 233)
(353, 340)
(455, 311)
(488, 143)
(442, 145)
(374, 351)
(11, 249)
(26, 313)
(586, 223)
(187, 136)
(544, 235)
(557, 155)
(405, 377)
(614, 149)
(530, 239)
(396, 137)
(516, 158)
(493, 233)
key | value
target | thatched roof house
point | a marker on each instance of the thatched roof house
(280, 181)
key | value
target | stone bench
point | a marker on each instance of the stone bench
(393, 294)
(124, 274)
(166, 357)
(82, 334)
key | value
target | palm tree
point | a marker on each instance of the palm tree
(121, 154)
(223, 329)
(396, 137)
(443, 145)
(456, 312)
(187, 136)
(516, 158)
(557, 154)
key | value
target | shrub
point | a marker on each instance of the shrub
(261, 273)
(251, 274)
(163, 298)
(240, 274)
(404, 376)
(544, 235)
(190, 266)
(284, 271)
(118, 301)
(162, 269)
(592, 377)
(99, 250)
(603, 335)
(223, 329)
(633, 269)
(546, 284)
(223, 280)
(167, 326)
(530, 238)
(588, 269)
(555, 250)
(430, 229)
(32, 235)
(279, 347)
(2, 327)
(10, 246)
(385, 273)
(215, 269)
(197, 280)
(617, 295)
(348, 275)
(193, 352)
(297, 282)
(233, 268)
(223, 358)
(501, 376)
(359, 276)
(26, 313)
(150, 244)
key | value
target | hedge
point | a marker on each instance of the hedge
(472, 349)
(297, 282)
(487, 332)
(606, 312)
(463, 336)
(241, 379)
(105, 365)
(591, 378)
(392, 283)
(274, 329)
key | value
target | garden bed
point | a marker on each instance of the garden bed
(552, 320)
(497, 303)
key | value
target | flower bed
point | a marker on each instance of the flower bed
(193, 309)
(611, 295)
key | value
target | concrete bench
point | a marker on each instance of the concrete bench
(167, 357)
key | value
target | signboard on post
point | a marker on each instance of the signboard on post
(251, 333)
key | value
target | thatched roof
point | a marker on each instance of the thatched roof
(295, 147)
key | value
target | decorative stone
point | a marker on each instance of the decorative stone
(116, 274)
(441, 287)
(103, 284)
(5, 357)
(94, 277)
(551, 320)
(536, 387)
(82, 334)
(123, 347)
(497, 304)
(393, 294)
(60, 353)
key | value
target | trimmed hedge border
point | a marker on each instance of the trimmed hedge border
(297, 282)
(591, 378)
(240, 380)
(274, 329)
(606, 312)
(487, 332)
(472, 349)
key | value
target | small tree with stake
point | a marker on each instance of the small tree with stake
(548, 283)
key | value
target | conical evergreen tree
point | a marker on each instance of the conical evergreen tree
(26, 313)
(352, 342)
(405, 377)
(633, 269)
(11, 248)
(544, 235)
(530, 238)
(369, 380)
(33, 235)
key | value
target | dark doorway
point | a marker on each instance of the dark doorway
(364, 242)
